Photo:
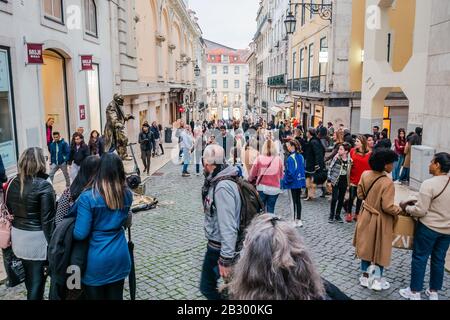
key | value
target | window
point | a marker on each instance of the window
(225, 84)
(53, 10)
(303, 13)
(90, 17)
(294, 62)
(225, 100)
(214, 83)
(225, 69)
(302, 59)
(236, 84)
(310, 60)
(214, 69)
(389, 45)
(387, 119)
(236, 70)
(225, 59)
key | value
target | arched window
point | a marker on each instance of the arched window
(90, 17)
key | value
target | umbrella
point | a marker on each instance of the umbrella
(132, 275)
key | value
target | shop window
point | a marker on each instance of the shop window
(7, 140)
(387, 120)
(90, 17)
(53, 10)
(318, 115)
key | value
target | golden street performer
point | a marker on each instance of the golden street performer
(114, 135)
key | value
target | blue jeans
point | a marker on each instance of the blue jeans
(186, 159)
(210, 274)
(428, 242)
(269, 201)
(405, 175)
(397, 166)
(366, 264)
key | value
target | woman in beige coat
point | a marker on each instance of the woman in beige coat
(373, 234)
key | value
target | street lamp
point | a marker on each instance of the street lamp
(325, 11)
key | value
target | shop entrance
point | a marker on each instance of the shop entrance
(55, 92)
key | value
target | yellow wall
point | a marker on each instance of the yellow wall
(357, 44)
(402, 19)
(146, 42)
(311, 32)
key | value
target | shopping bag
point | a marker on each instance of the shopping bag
(14, 268)
(403, 235)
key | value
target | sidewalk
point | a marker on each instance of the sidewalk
(157, 163)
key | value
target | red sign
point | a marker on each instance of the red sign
(86, 62)
(82, 112)
(34, 53)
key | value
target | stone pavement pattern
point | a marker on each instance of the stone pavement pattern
(169, 245)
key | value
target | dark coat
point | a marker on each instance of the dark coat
(97, 147)
(314, 155)
(155, 131)
(78, 156)
(146, 140)
(35, 209)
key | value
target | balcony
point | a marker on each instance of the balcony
(277, 81)
(308, 84)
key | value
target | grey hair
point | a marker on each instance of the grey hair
(275, 265)
(214, 154)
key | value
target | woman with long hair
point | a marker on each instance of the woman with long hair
(360, 156)
(276, 265)
(95, 144)
(400, 144)
(102, 212)
(266, 173)
(338, 138)
(31, 200)
(294, 179)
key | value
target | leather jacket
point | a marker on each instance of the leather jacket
(35, 210)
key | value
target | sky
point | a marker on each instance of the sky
(228, 22)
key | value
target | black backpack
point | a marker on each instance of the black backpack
(251, 205)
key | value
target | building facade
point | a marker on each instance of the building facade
(227, 76)
(251, 92)
(145, 50)
(61, 33)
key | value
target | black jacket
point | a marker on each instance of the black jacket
(348, 138)
(77, 156)
(3, 177)
(146, 140)
(97, 147)
(35, 210)
(314, 154)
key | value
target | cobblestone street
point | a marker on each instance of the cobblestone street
(170, 244)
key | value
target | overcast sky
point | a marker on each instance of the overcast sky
(228, 22)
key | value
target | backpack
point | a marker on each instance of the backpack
(251, 205)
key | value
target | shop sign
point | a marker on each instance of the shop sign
(34, 53)
(86, 62)
(82, 112)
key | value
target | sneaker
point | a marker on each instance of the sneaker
(364, 281)
(197, 174)
(384, 284)
(185, 174)
(431, 295)
(376, 285)
(407, 294)
(331, 220)
(338, 219)
(294, 223)
(397, 182)
(348, 217)
(299, 224)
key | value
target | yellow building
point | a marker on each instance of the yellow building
(328, 56)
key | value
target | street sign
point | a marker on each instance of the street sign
(34, 53)
(86, 62)
(82, 112)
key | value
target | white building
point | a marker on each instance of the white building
(227, 76)
(58, 88)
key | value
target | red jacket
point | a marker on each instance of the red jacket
(400, 147)
(359, 166)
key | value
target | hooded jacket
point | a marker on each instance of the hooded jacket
(222, 219)
(63, 152)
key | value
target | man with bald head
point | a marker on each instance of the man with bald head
(222, 208)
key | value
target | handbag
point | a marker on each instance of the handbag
(320, 176)
(5, 221)
(13, 267)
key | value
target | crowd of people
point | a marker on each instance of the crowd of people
(246, 167)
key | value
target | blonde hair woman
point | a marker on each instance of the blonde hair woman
(31, 200)
(266, 174)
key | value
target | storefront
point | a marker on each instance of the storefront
(8, 143)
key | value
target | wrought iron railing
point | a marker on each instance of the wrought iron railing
(279, 80)
(308, 84)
